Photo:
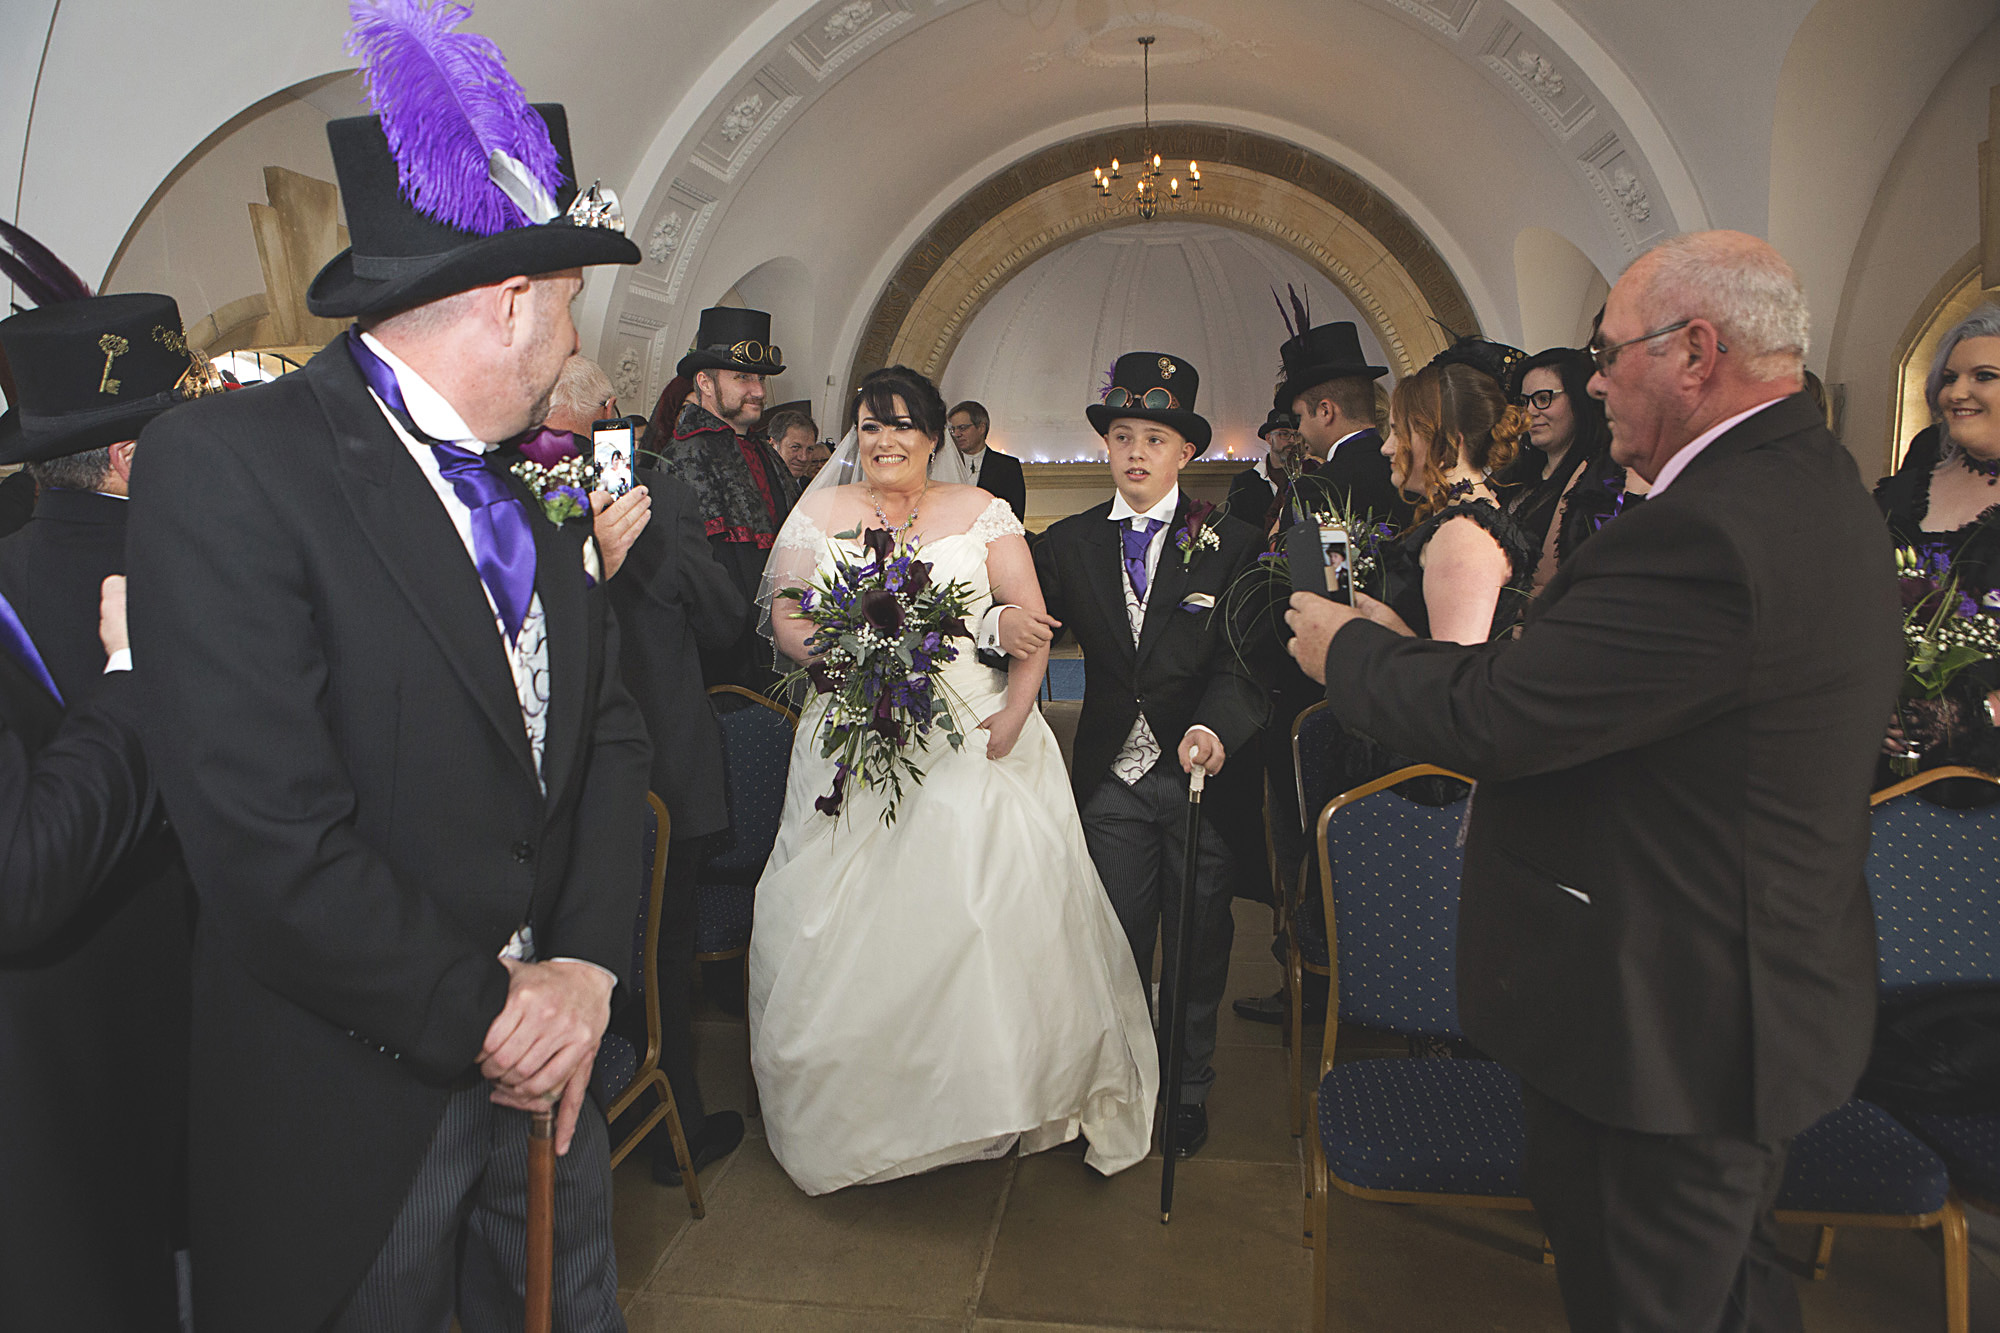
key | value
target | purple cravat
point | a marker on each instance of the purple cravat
(1137, 542)
(503, 544)
(14, 638)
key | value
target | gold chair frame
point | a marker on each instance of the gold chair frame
(649, 1074)
(1950, 1219)
(1318, 1177)
(724, 955)
(1296, 966)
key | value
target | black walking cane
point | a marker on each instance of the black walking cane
(1176, 1007)
(541, 1220)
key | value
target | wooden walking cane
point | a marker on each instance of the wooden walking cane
(541, 1220)
(1175, 1006)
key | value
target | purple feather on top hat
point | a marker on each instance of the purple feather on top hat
(447, 105)
(33, 267)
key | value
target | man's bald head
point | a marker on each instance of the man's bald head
(1738, 283)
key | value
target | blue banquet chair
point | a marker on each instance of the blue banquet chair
(1315, 736)
(756, 759)
(622, 1074)
(1402, 1129)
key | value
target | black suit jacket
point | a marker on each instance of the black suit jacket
(1685, 734)
(1000, 475)
(673, 603)
(93, 1004)
(1183, 669)
(340, 745)
(1355, 476)
(93, 957)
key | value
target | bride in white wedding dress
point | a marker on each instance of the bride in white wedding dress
(954, 985)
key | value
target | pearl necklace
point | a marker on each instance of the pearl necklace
(899, 528)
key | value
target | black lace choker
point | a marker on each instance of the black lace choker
(1980, 468)
(1459, 490)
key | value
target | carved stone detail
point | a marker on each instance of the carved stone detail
(1631, 194)
(666, 237)
(742, 118)
(628, 375)
(849, 19)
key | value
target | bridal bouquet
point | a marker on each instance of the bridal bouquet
(883, 632)
(1944, 630)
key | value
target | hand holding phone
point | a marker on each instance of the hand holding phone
(611, 451)
(1318, 558)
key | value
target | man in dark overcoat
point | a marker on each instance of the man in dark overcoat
(385, 706)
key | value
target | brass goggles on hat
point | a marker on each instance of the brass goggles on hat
(1154, 399)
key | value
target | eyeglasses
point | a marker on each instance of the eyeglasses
(963, 430)
(1606, 357)
(1542, 399)
(1156, 400)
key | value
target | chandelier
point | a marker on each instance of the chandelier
(1145, 194)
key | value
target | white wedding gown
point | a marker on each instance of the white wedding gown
(953, 985)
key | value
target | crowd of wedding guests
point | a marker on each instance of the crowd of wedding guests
(1470, 486)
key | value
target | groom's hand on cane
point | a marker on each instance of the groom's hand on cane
(541, 1046)
(1204, 747)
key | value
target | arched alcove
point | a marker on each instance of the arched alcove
(1560, 290)
(1037, 350)
(1956, 295)
(1346, 231)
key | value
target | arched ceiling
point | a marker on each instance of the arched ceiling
(834, 132)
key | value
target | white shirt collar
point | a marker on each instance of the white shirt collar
(1164, 510)
(434, 416)
(1345, 438)
(1678, 463)
(972, 459)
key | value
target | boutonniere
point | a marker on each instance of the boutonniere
(1197, 534)
(562, 486)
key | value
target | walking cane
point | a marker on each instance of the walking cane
(1176, 1008)
(541, 1220)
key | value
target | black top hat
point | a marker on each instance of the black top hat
(90, 373)
(1152, 386)
(1328, 352)
(1278, 419)
(732, 338)
(401, 257)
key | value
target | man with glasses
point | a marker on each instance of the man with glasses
(1664, 930)
(992, 471)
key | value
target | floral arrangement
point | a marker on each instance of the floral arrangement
(1197, 534)
(564, 486)
(883, 632)
(1944, 630)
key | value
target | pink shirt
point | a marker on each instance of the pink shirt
(1678, 463)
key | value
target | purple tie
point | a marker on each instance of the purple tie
(14, 638)
(1137, 542)
(503, 545)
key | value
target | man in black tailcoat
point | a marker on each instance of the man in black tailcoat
(384, 702)
(1137, 580)
(1330, 387)
(741, 486)
(1665, 930)
(95, 905)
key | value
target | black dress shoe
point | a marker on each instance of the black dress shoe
(1271, 1009)
(1190, 1131)
(719, 1136)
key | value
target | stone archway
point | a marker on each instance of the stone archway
(1331, 218)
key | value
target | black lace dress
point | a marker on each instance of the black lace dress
(1403, 589)
(1974, 552)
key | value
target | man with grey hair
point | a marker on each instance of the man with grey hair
(1664, 930)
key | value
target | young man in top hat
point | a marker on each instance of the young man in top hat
(1137, 580)
(384, 700)
(741, 484)
(1330, 387)
(94, 902)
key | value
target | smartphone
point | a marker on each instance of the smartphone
(611, 450)
(1318, 559)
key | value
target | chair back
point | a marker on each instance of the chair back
(1064, 681)
(1389, 875)
(756, 758)
(1317, 737)
(1935, 882)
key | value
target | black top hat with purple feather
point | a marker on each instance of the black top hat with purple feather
(1152, 386)
(1314, 356)
(456, 181)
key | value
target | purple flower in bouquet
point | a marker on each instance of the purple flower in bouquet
(882, 610)
(881, 544)
(829, 804)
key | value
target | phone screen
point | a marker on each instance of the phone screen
(1333, 549)
(611, 450)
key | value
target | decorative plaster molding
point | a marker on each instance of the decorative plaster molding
(1614, 173)
(1537, 79)
(743, 127)
(1447, 16)
(666, 237)
(1185, 41)
(845, 33)
(742, 118)
(849, 19)
(627, 375)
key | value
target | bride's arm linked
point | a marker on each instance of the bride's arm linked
(1011, 572)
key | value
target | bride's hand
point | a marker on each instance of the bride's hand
(1002, 730)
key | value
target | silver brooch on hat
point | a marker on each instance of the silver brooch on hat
(597, 207)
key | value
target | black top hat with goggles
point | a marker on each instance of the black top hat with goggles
(732, 338)
(1152, 386)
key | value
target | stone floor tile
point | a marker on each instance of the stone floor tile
(1077, 1248)
(1882, 1280)
(1401, 1266)
(654, 1313)
(910, 1246)
(645, 1219)
(1038, 1326)
(1246, 1108)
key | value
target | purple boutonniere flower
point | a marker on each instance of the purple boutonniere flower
(1197, 534)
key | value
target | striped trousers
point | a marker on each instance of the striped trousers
(459, 1245)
